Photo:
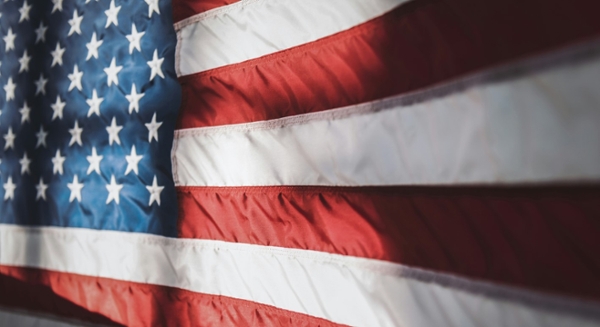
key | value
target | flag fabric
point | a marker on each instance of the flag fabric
(89, 94)
(320, 163)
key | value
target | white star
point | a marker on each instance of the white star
(24, 162)
(24, 11)
(152, 7)
(111, 14)
(75, 134)
(57, 5)
(40, 85)
(57, 163)
(41, 190)
(111, 73)
(58, 107)
(155, 66)
(132, 161)
(153, 129)
(94, 104)
(40, 33)
(75, 188)
(94, 161)
(9, 88)
(41, 137)
(93, 47)
(9, 189)
(75, 79)
(24, 62)
(57, 55)
(75, 23)
(134, 99)
(9, 40)
(24, 111)
(134, 39)
(154, 192)
(113, 132)
(10, 139)
(113, 190)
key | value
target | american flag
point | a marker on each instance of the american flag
(89, 105)
(300, 163)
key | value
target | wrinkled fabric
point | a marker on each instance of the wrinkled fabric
(121, 303)
(343, 289)
(183, 9)
(541, 127)
(162, 97)
(415, 46)
(250, 29)
(451, 229)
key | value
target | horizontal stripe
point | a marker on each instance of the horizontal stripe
(412, 47)
(543, 238)
(221, 36)
(185, 8)
(27, 319)
(536, 128)
(347, 290)
(136, 304)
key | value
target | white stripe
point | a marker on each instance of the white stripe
(16, 318)
(542, 127)
(251, 29)
(348, 290)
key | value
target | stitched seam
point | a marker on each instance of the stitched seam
(500, 72)
(141, 239)
(178, 55)
(533, 190)
(174, 162)
(472, 286)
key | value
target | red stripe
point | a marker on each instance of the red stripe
(183, 9)
(109, 301)
(413, 47)
(536, 237)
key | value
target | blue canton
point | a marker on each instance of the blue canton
(88, 101)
